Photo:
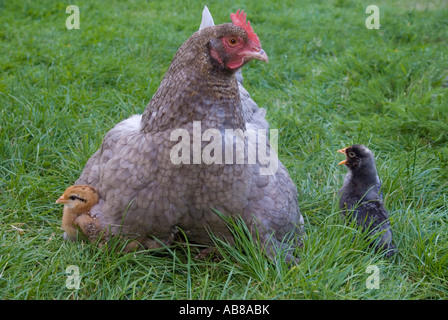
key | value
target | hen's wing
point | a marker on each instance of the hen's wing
(251, 112)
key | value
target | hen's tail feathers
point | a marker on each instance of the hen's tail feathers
(207, 19)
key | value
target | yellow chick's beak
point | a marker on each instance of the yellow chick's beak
(61, 200)
(343, 151)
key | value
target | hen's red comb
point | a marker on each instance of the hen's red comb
(239, 19)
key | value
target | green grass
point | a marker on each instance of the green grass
(330, 83)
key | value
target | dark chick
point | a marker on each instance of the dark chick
(360, 196)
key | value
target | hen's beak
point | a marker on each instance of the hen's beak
(259, 55)
(61, 200)
(343, 151)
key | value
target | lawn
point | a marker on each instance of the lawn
(330, 82)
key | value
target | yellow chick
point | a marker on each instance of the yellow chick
(78, 200)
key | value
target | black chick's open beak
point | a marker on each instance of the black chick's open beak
(343, 150)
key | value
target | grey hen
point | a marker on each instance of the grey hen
(360, 196)
(149, 186)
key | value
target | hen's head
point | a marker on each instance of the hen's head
(234, 44)
(80, 198)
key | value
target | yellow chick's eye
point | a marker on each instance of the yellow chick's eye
(351, 154)
(233, 41)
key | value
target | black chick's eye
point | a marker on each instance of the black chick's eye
(73, 198)
(351, 154)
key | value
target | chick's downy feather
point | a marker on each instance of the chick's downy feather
(78, 201)
(143, 193)
(361, 198)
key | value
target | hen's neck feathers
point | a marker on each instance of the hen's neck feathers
(195, 88)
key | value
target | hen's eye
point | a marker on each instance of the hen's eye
(233, 41)
(351, 154)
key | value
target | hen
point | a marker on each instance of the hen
(147, 191)
(360, 196)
